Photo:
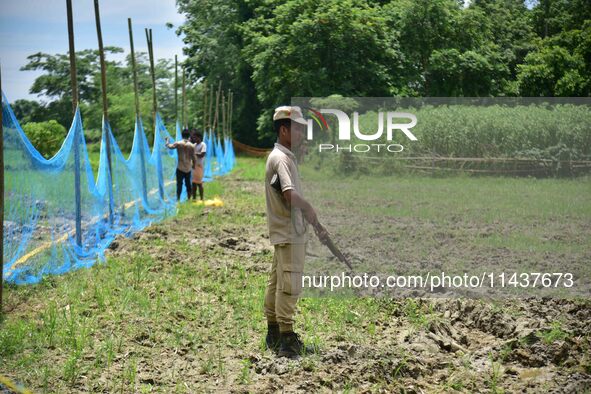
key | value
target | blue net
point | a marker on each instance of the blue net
(58, 218)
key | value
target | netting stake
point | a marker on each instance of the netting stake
(176, 88)
(217, 103)
(204, 105)
(105, 104)
(137, 107)
(151, 55)
(2, 190)
(184, 103)
(209, 113)
(223, 109)
(77, 134)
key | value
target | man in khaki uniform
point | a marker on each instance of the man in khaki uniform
(287, 214)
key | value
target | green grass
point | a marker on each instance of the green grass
(460, 221)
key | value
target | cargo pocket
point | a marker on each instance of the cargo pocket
(292, 282)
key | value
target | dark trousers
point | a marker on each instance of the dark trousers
(180, 177)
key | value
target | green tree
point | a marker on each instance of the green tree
(214, 38)
(560, 66)
(54, 85)
(47, 137)
(309, 48)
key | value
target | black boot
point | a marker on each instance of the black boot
(291, 346)
(272, 339)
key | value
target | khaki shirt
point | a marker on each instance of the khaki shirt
(285, 226)
(186, 154)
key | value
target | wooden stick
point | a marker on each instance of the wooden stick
(1, 191)
(105, 103)
(223, 109)
(176, 88)
(217, 103)
(184, 98)
(73, 81)
(228, 114)
(230, 105)
(204, 105)
(77, 140)
(151, 55)
(134, 71)
(137, 105)
(210, 112)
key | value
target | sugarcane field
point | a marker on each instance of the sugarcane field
(290, 196)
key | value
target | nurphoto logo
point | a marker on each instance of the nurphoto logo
(395, 121)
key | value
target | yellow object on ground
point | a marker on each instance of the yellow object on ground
(216, 202)
(13, 387)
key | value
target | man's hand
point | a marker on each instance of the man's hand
(321, 232)
(310, 215)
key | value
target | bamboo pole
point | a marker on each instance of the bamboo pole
(2, 190)
(228, 112)
(184, 101)
(176, 88)
(217, 103)
(134, 71)
(231, 112)
(151, 55)
(105, 103)
(204, 105)
(223, 109)
(150, 41)
(78, 197)
(73, 81)
(210, 112)
(136, 94)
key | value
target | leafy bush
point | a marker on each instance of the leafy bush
(46, 137)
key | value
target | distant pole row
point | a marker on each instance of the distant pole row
(75, 100)
(220, 115)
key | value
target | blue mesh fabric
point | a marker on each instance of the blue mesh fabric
(43, 200)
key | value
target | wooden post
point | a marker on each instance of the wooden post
(73, 81)
(184, 103)
(229, 109)
(176, 88)
(151, 54)
(217, 103)
(105, 103)
(154, 111)
(137, 107)
(1, 191)
(231, 112)
(223, 109)
(78, 197)
(210, 112)
(204, 105)
(134, 71)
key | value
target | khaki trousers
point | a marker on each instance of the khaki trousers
(285, 284)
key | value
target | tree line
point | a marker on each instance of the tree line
(268, 51)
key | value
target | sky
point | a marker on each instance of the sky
(31, 26)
